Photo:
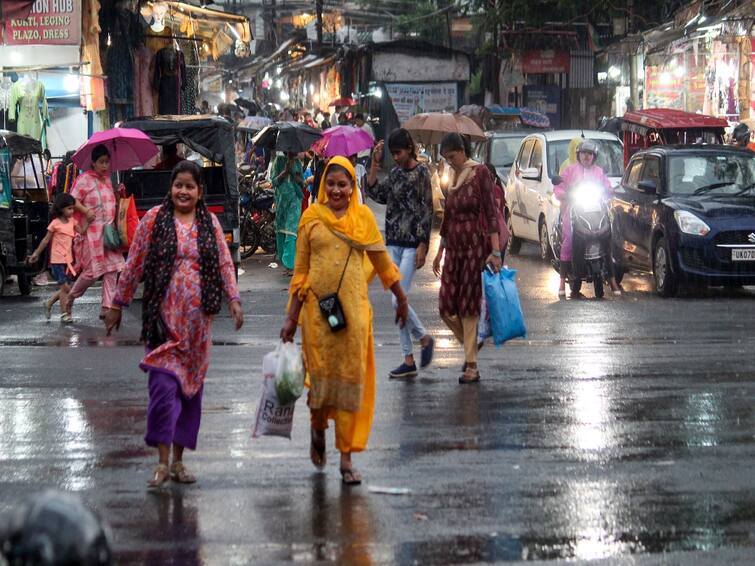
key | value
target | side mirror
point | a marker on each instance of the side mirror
(647, 186)
(556, 180)
(531, 173)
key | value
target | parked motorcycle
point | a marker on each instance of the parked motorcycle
(257, 208)
(591, 236)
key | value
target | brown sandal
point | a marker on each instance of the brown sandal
(161, 476)
(179, 474)
(470, 376)
(317, 448)
(349, 476)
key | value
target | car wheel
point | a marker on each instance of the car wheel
(666, 281)
(24, 283)
(545, 247)
(515, 244)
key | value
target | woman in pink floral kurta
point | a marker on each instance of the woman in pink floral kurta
(186, 266)
(95, 198)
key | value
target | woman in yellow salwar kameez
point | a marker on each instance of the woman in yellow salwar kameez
(338, 240)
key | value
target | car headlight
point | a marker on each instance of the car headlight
(690, 224)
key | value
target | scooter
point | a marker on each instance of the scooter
(591, 237)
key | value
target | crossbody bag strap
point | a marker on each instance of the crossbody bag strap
(348, 257)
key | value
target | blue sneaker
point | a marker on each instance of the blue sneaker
(427, 353)
(404, 370)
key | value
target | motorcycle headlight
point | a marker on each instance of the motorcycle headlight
(587, 194)
(690, 224)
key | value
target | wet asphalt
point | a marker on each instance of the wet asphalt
(620, 431)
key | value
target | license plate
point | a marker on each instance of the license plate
(743, 255)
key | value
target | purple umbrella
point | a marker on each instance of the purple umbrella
(128, 148)
(343, 140)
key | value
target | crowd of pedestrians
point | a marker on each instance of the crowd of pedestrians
(332, 247)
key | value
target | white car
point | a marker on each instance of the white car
(531, 208)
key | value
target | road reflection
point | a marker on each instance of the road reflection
(40, 429)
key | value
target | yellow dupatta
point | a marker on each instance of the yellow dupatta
(357, 227)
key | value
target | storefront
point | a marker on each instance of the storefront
(156, 58)
(42, 74)
(703, 66)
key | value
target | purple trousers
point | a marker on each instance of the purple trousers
(171, 417)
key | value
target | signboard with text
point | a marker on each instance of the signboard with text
(50, 22)
(546, 61)
(411, 99)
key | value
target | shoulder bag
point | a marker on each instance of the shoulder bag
(110, 237)
(330, 305)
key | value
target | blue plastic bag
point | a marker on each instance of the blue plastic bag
(483, 326)
(506, 319)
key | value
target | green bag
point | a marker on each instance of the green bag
(110, 237)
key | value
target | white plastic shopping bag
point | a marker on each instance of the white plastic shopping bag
(273, 417)
(289, 373)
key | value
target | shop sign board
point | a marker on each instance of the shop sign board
(50, 22)
(545, 99)
(410, 99)
(546, 61)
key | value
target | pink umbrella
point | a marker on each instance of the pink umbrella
(128, 148)
(343, 140)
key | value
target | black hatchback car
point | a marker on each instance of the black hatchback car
(687, 214)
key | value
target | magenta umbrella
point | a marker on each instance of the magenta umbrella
(343, 140)
(128, 148)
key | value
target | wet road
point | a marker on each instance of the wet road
(621, 430)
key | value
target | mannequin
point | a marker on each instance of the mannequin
(28, 106)
(170, 75)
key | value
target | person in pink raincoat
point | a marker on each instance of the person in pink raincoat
(584, 170)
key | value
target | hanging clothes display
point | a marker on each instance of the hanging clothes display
(170, 75)
(125, 36)
(5, 190)
(144, 94)
(28, 107)
(5, 86)
(92, 92)
(190, 88)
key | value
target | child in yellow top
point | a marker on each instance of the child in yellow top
(60, 235)
(338, 238)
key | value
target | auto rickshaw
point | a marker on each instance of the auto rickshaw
(24, 208)
(212, 140)
(665, 126)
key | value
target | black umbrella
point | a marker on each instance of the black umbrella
(289, 137)
(248, 105)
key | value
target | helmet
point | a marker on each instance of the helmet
(741, 133)
(588, 146)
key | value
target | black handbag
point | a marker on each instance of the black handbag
(330, 305)
(160, 334)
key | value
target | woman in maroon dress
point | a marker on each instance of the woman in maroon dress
(469, 241)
